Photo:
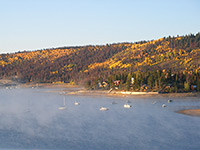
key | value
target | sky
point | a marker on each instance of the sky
(39, 24)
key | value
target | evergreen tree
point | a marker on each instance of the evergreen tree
(150, 81)
(198, 83)
(128, 81)
(186, 86)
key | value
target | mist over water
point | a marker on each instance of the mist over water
(30, 119)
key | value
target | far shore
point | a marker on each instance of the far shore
(80, 90)
(50, 85)
(135, 94)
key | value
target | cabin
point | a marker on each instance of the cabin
(168, 86)
(116, 82)
(144, 88)
(100, 84)
(193, 87)
(132, 80)
(103, 84)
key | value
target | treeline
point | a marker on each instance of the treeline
(160, 80)
(54, 65)
(87, 64)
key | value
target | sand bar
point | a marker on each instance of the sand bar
(191, 112)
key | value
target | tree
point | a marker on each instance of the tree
(128, 81)
(88, 84)
(186, 86)
(150, 81)
(198, 83)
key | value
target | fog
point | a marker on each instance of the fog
(30, 119)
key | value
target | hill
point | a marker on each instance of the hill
(90, 65)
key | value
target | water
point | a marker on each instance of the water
(30, 119)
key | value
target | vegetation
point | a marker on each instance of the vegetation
(161, 81)
(169, 64)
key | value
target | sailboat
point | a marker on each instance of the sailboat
(76, 103)
(103, 109)
(127, 106)
(64, 105)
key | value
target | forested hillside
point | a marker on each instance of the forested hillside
(145, 65)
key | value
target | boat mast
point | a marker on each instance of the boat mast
(64, 103)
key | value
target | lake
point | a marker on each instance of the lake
(30, 119)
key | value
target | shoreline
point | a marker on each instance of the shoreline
(190, 112)
(80, 90)
(130, 94)
(50, 85)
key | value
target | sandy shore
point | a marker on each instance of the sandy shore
(191, 112)
(80, 90)
(131, 94)
(49, 85)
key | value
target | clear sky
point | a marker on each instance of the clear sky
(38, 24)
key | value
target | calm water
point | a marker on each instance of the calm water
(30, 119)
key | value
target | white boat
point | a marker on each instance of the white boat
(62, 108)
(163, 105)
(127, 106)
(64, 105)
(103, 109)
(76, 103)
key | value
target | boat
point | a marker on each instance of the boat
(64, 103)
(128, 101)
(163, 105)
(76, 103)
(110, 90)
(169, 101)
(113, 103)
(62, 108)
(127, 106)
(103, 109)
(154, 102)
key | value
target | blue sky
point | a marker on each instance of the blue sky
(38, 24)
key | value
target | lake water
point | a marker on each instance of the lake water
(30, 119)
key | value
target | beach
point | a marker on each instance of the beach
(191, 112)
(83, 91)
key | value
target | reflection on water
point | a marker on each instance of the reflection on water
(30, 119)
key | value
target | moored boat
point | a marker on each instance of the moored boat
(169, 101)
(76, 103)
(103, 109)
(127, 106)
(64, 105)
